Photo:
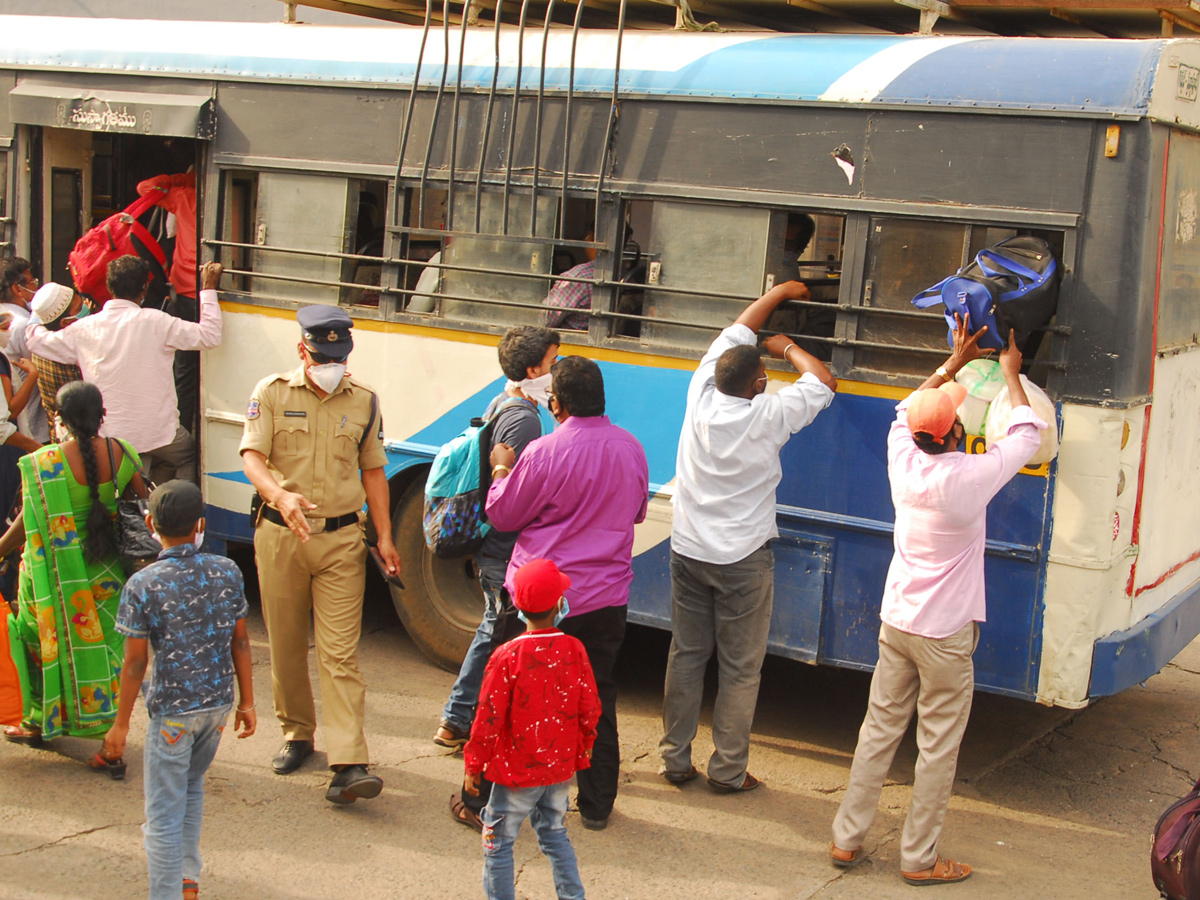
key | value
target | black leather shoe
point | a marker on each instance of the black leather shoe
(353, 783)
(290, 756)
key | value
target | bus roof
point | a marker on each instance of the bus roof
(1105, 78)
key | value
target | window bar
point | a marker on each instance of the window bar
(512, 124)
(487, 120)
(462, 47)
(566, 164)
(437, 108)
(612, 114)
(537, 122)
(408, 113)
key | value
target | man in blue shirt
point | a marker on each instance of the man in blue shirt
(191, 607)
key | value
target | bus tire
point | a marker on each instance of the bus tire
(441, 604)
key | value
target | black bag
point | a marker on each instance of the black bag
(1010, 286)
(1175, 852)
(136, 545)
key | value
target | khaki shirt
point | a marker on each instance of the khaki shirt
(315, 447)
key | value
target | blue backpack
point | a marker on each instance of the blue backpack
(1010, 286)
(454, 520)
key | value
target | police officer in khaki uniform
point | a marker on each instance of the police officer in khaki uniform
(308, 433)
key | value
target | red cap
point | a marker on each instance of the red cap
(538, 585)
(934, 410)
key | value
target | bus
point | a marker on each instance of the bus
(435, 181)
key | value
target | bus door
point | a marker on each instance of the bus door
(89, 145)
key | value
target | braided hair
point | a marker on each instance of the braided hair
(82, 408)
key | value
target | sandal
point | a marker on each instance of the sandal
(450, 737)
(463, 814)
(19, 734)
(749, 784)
(114, 767)
(845, 859)
(944, 871)
(191, 889)
(681, 777)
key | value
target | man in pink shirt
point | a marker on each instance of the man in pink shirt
(128, 352)
(932, 602)
(574, 496)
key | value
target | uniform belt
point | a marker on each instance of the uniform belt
(333, 523)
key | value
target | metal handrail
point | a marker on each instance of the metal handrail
(537, 121)
(408, 113)
(566, 166)
(462, 49)
(612, 115)
(512, 120)
(487, 119)
(437, 108)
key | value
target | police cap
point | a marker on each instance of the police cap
(326, 330)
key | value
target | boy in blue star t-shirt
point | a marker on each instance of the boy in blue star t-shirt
(191, 608)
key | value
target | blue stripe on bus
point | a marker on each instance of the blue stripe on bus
(1101, 76)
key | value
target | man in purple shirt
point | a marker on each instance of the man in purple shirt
(575, 496)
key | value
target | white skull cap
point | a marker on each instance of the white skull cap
(51, 301)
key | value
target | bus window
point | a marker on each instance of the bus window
(1178, 311)
(300, 212)
(421, 274)
(365, 223)
(906, 256)
(496, 297)
(710, 261)
(241, 212)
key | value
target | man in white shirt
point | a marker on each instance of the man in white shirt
(932, 601)
(128, 353)
(722, 565)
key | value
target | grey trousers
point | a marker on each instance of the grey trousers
(174, 460)
(727, 607)
(937, 678)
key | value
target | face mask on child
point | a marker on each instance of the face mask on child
(563, 608)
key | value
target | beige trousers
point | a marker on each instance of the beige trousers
(937, 678)
(324, 577)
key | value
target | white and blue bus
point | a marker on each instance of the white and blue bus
(339, 165)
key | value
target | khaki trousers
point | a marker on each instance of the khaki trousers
(326, 577)
(937, 678)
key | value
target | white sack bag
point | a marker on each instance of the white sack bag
(999, 415)
(983, 380)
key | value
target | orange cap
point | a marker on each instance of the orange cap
(934, 410)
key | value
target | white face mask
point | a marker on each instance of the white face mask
(328, 376)
(199, 542)
(537, 389)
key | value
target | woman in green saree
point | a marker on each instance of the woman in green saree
(63, 639)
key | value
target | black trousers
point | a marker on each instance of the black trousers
(601, 632)
(187, 367)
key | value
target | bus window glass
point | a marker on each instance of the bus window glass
(905, 256)
(704, 263)
(301, 212)
(1178, 311)
(806, 247)
(497, 297)
(365, 224)
(241, 212)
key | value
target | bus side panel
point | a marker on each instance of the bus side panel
(835, 485)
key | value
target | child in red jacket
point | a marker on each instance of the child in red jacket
(534, 729)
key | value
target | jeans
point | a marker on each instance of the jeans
(726, 608)
(464, 696)
(546, 809)
(179, 750)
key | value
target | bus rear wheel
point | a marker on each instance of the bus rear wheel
(441, 604)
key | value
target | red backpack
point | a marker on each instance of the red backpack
(120, 234)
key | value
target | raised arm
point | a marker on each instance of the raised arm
(780, 346)
(966, 349)
(205, 334)
(756, 314)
